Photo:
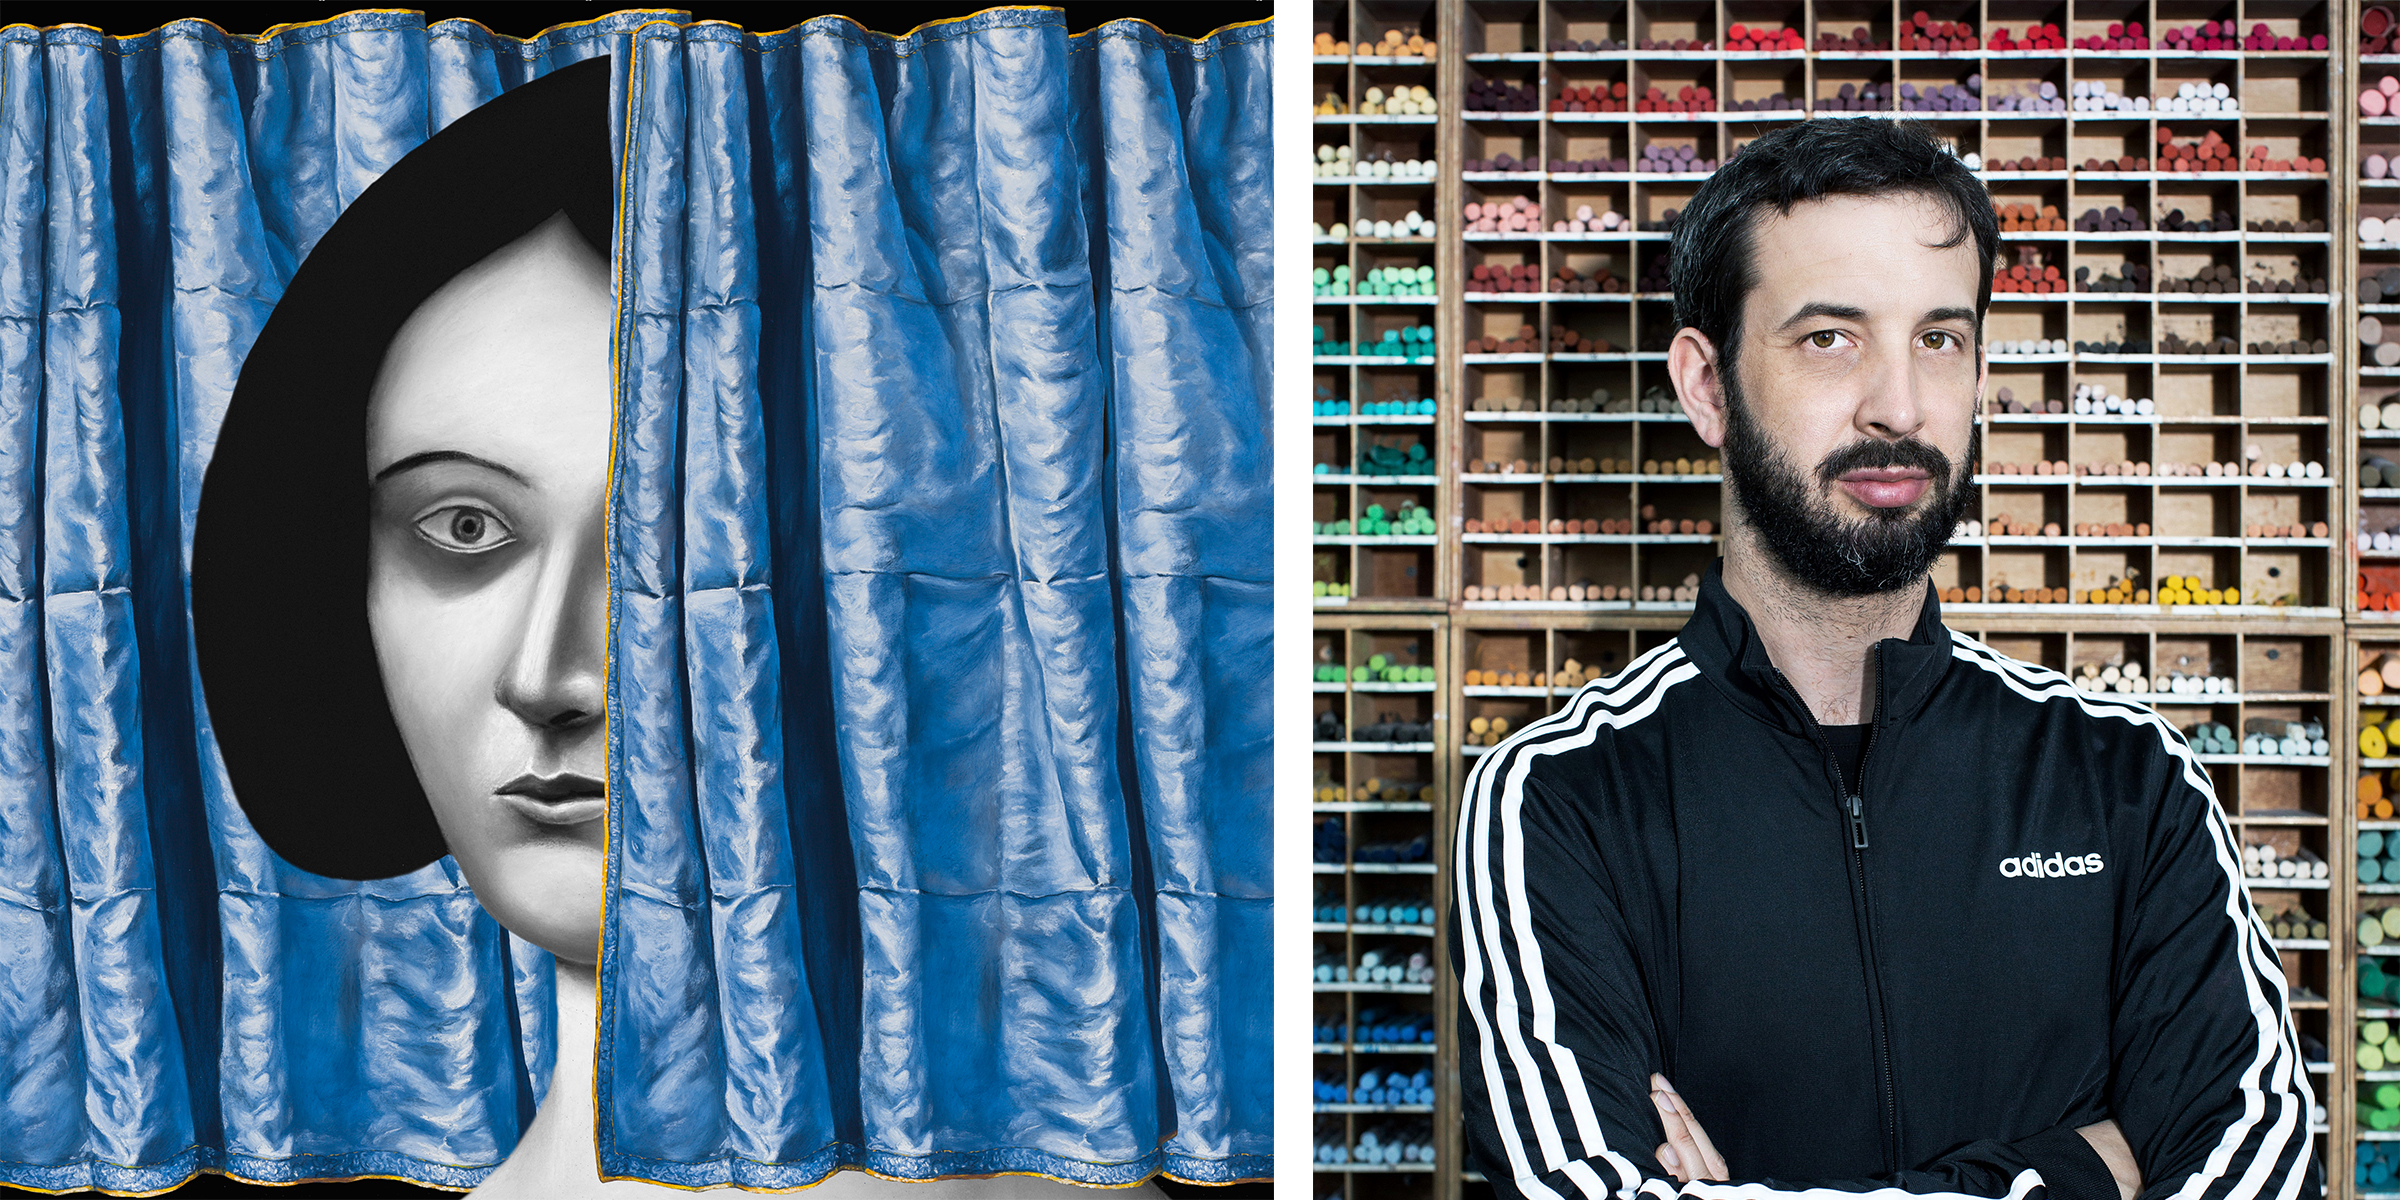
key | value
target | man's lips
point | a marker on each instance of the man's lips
(1886, 487)
(562, 799)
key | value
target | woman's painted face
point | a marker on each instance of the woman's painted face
(487, 448)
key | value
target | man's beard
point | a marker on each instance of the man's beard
(1886, 549)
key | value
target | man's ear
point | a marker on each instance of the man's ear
(1692, 364)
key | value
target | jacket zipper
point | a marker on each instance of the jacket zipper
(1854, 810)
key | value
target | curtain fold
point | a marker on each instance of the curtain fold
(174, 998)
(940, 742)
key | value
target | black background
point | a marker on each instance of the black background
(525, 18)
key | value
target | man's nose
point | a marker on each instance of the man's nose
(1893, 406)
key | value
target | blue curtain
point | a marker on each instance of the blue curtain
(939, 741)
(173, 997)
(938, 722)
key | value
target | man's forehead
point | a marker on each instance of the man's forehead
(1875, 254)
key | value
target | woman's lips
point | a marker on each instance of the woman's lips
(562, 799)
(1886, 487)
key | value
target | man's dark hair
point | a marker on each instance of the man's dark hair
(1714, 247)
(279, 549)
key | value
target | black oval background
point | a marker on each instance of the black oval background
(279, 554)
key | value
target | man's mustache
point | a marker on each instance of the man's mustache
(1875, 453)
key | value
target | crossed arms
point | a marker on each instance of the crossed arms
(1689, 1155)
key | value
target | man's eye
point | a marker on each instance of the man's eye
(465, 529)
(1939, 339)
(1825, 339)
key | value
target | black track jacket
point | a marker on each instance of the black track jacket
(2031, 918)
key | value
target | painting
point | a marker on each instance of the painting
(641, 600)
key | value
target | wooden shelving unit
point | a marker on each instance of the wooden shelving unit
(1504, 413)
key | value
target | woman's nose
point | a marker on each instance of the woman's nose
(555, 677)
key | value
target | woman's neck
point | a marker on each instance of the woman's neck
(557, 1158)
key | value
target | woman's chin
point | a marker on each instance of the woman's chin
(546, 892)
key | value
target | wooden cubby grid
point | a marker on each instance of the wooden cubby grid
(1389, 571)
(1351, 640)
(2211, 407)
(1626, 561)
(2371, 632)
(2364, 646)
(2378, 509)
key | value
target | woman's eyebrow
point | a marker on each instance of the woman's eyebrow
(430, 457)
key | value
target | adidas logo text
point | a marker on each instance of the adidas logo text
(2034, 866)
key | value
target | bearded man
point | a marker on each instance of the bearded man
(1893, 912)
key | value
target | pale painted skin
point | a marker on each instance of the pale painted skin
(1859, 327)
(487, 599)
(487, 452)
(487, 441)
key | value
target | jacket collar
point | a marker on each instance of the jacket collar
(1722, 642)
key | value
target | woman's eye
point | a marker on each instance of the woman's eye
(464, 529)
